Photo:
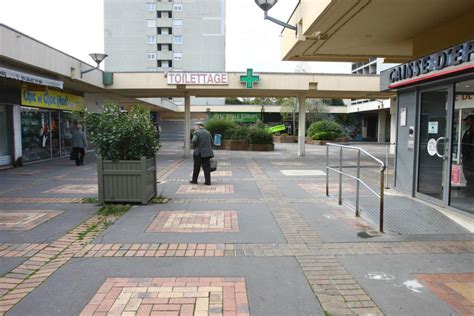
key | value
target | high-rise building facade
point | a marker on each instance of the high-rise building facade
(165, 35)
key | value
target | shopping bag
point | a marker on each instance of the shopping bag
(73, 155)
(213, 165)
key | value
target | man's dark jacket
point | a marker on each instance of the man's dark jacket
(202, 143)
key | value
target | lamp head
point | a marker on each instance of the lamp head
(266, 5)
(98, 57)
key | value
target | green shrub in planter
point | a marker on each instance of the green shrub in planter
(127, 143)
(219, 125)
(326, 130)
(257, 135)
(122, 135)
(324, 136)
(237, 133)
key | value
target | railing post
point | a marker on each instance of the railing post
(358, 184)
(386, 164)
(382, 197)
(327, 170)
(340, 176)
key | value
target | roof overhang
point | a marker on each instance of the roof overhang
(355, 30)
(155, 84)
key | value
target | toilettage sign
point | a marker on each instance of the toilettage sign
(197, 78)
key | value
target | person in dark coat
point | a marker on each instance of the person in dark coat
(79, 145)
(202, 144)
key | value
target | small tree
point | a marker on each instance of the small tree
(122, 135)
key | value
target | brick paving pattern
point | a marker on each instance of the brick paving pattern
(183, 296)
(27, 200)
(334, 287)
(217, 173)
(456, 289)
(20, 250)
(210, 189)
(25, 219)
(74, 189)
(196, 221)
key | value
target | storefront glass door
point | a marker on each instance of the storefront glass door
(434, 145)
(55, 141)
(462, 157)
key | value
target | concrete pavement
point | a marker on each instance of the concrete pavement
(262, 240)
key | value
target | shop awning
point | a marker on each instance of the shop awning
(30, 78)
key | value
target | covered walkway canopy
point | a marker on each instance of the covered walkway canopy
(303, 86)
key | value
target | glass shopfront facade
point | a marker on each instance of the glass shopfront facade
(435, 130)
(46, 133)
(6, 147)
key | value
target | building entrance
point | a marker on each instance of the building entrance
(446, 146)
(434, 141)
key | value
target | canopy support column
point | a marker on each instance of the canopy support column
(301, 125)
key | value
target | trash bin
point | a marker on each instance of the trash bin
(217, 139)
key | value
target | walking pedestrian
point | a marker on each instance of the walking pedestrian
(79, 145)
(202, 144)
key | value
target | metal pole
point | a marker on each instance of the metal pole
(340, 176)
(187, 124)
(358, 184)
(301, 125)
(327, 170)
(386, 164)
(382, 198)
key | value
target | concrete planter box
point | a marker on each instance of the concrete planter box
(324, 142)
(232, 144)
(261, 147)
(131, 181)
(285, 139)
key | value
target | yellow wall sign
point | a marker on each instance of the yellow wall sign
(52, 100)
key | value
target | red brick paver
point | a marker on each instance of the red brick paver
(74, 188)
(320, 188)
(25, 219)
(20, 250)
(210, 189)
(221, 173)
(196, 221)
(184, 296)
(456, 289)
(27, 200)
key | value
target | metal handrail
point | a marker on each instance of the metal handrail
(357, 178)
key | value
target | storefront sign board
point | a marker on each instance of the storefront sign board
(51, 99)
(197, 78)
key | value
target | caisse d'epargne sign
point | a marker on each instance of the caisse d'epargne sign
(197, 78)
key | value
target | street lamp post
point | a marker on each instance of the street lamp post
(98, 58)
(266, 5)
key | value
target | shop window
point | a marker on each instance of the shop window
(35, 134)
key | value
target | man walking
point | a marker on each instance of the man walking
(79, 145)
(202, 144)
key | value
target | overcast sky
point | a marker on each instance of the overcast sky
(76, 27)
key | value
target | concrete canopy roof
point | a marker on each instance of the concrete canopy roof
(154, 84)
(354, 30)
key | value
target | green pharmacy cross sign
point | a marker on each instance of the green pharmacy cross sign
(249, 79)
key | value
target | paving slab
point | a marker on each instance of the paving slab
(51, 229)
(8, 264)
(391, 281)
(275, 286)
(255, 222)
(243, 189)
